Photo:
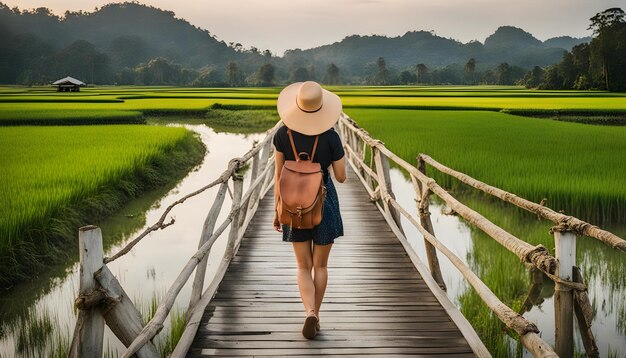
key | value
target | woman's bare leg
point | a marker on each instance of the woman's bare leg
(304, 258)
(320, 273)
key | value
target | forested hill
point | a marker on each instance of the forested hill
(122, 35)
(507, 44)
(111, 44)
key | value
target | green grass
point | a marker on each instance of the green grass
(578, 168)
(40, 334)
(168, 338)
(13, 117)
(56, 179)
(602, 268)
(178, 320)
(242, 121)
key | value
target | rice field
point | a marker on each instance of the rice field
(29, 116)
(601, 267)
(579, 168)
(155, 99)
(53, 177)
(484, 131)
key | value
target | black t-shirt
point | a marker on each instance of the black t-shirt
(329, 147)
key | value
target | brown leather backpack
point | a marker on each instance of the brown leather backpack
(301, 190)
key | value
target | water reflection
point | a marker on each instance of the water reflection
(514, 283)
(41, 314)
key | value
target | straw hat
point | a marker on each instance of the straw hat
(307, 108)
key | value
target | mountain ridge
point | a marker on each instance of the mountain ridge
(130, 33)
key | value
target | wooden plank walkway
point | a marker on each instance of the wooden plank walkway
(376, 302)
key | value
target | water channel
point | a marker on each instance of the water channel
(37, 317)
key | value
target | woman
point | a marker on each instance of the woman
(308, 110)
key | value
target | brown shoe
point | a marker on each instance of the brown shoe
(317, 325)
(309, 329)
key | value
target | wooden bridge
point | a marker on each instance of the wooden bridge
(376, 301)
(381, 299)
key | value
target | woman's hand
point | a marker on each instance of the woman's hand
(279, 160)
(277, 225)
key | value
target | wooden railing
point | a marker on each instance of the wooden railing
(103, 300)
(369, 158)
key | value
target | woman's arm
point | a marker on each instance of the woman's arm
(339, 169)
(279, 160)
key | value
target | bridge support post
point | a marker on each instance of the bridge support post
(234, 225)
(384, 183)
(257, 167)
(422, 194)
(565, 244)
(89, 329)
(207, 231)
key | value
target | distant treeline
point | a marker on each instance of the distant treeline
(130, 43)
(600, 64)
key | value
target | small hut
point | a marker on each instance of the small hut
(68, 84)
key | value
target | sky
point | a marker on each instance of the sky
(278, 25)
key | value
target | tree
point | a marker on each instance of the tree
(299, 74)
(421, 71)
(407, 77)
(533, 78)
(567, 70)
(332, 74)
(609, 30)
(582, 83)
(312, 74)
(606, 19)
(581, 55)
(158, 71)
(551, 78)
(470, 68)
(381, 77)
(233, 74)
(451, 74)
(127, 76)
(83, 61)
(208, 77)
(503, 74)
(265, 75)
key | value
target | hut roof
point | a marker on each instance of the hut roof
(69, 80)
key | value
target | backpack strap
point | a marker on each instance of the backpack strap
(314, 147)
(293, 146)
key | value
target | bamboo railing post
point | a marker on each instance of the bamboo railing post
(266, 154)
(368, 179)
(207, 231)
(534, 292)
(355, 143)
(565, 244)
(255, 165)
(584, 317)
(121, 315)
(253, 175)
(423, 193)
(234, 225)
(89, 329)
(384, 183)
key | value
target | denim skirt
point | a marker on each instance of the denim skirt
(331, 226)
